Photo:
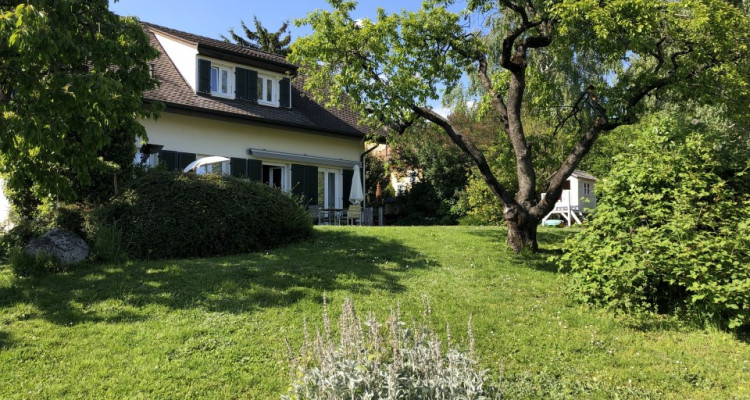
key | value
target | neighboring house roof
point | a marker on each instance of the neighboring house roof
(583, 175)
(305, 113)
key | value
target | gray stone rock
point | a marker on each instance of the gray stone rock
(66, 246)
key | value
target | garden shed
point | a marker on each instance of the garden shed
(577, 200)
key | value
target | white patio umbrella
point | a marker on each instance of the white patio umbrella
(356, 195)
(203, 161)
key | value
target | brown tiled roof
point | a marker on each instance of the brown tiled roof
(204, 43)
(305, 113)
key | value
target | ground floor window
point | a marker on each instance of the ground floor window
(273, 176)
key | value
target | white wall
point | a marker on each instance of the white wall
(183, 56)
(586, 200)
(228, 139)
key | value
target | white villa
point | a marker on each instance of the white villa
(249, 106)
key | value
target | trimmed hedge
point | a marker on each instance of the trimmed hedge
(174, 215)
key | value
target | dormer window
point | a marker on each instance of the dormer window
(242, 83)
(220, 81)
(266, 90)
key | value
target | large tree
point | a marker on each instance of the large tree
(272, 42)
(592, 65)
(71, 80)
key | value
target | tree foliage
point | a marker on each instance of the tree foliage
(442, 172)
(272, 42)
(672, 227)
(71, 81)
(589, 66)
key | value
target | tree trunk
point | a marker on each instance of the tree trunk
(521, 229)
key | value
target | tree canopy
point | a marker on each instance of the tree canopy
(261, 38)
(72, 76)
(587, 66)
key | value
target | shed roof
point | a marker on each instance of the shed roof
(583, 175)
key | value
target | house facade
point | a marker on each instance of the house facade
(250, 107)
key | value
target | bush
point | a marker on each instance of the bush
(18, 237)
(108, 245)
(170, 215)
(409, 363)
(26, 265)
(671, 231)
(478, 205)
(69, 217)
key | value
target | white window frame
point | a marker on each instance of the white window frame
(338, 187)
(285, 176)
(230, 80)
(264, 90)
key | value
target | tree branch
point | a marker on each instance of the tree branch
(469, 148)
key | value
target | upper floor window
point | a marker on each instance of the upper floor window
(267, 93)
(237, 82)
(221, 83)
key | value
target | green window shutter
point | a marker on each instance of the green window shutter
(204, 76)
(255, 170)
(285, 93)
(347, 176)
(252, 85)
(305, 182)
(240, 83)
(311, 184)
(169, 158)
(183, 159)
(238, 167)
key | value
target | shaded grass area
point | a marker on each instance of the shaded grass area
(215, 328)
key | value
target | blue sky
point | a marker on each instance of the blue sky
(214, 18)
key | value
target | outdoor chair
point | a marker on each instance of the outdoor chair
(314, 213)
(354, 213)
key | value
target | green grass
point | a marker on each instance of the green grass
(215, 328)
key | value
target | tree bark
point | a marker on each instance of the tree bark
(522, 228)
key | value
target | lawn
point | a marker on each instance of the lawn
(215, 328)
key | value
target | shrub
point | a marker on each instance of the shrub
(169, 215)
(18, 237)
(671, 231)
(69, 217)
(478, 205)
(108, 245)
(408, 363)
(27, 265)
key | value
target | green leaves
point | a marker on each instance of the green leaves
(75, 75)
(385, 66)
(670, 230)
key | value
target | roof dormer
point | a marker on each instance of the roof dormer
(222, 79)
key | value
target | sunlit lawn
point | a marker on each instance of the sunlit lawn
(215, 328)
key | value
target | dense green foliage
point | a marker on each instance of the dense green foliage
(168, 215)
(672, 227)
(215, 328)
(261, 38)
(70, 96)
(442, 170)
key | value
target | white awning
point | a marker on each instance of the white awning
(301, 158)
(203, 161)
